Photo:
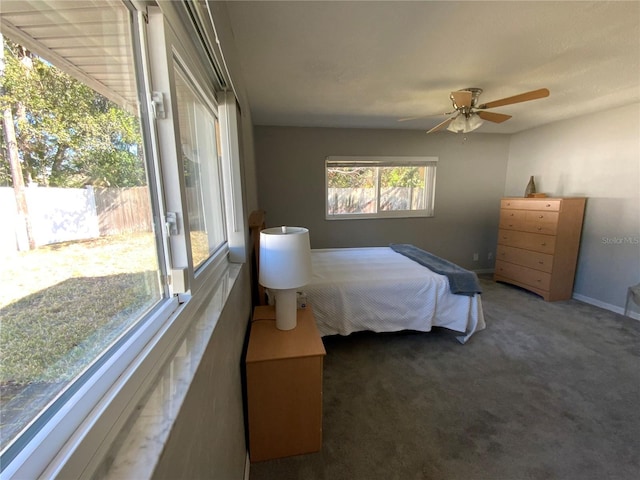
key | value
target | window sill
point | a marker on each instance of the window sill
(137, 449)
(382, 215)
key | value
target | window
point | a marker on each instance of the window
(88, 314)
(83, 266)
(380, 187)
(199, 137)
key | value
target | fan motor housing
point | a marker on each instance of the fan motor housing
(468, 103)
(475, 93)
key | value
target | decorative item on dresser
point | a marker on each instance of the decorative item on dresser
(531, 187)
(538, 244)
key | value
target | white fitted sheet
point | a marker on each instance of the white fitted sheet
(377, 289)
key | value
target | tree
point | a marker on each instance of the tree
(402, 177)
(351, 177)
(67, 134)
(364, 177)
(25, 238)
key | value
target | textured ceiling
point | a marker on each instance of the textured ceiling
(367, 64)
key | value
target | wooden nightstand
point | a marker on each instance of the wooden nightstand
(284, 386)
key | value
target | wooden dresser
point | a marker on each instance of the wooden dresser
(538, 244)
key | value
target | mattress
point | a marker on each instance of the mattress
(376, 289)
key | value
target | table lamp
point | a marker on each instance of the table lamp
(285, 266)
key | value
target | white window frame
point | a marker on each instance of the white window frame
(169, 49)
(387, 161)
(211, 105)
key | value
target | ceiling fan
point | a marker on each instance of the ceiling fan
(470, 115)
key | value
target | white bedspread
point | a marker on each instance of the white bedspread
(377, 289)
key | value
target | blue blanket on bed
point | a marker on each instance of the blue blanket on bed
(461, 281)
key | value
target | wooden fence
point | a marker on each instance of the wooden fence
(122, 210)
(363, 200)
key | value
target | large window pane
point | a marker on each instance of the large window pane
(199, 134)
(78, 249)
(351, 190)
(402, 188)
(380, 187)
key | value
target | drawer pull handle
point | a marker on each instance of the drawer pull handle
(539, 228)
(511, 215)
(541, 262)
(540, 216)
(508, 204)
(511, 224)
(548, 204)
(543, 244)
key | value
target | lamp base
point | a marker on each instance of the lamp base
(286, 309)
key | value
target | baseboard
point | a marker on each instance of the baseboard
(484, 270)
(585, 299)
(606, 306)
(247, 467)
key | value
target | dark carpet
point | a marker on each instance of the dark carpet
(547, 391)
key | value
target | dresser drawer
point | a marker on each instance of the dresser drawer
(529, 241)
(512, 219)
(533, 221)
(520, 274)
(526, 258)
(543, 204)
(537, 221)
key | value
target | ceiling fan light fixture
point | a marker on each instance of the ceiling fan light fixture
(457, 125)
(465, 124)
(473, 121)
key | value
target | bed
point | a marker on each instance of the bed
(378, 289)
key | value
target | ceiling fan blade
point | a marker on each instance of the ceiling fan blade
(441, 125)
(462, 98)
(523, 97)
(493, 116)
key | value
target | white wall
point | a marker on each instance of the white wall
(207, 439)
(231, 60)
(596, 156)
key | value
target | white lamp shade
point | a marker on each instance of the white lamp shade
(285, 257)
(465, 124)
(458, 124)
(473, 122)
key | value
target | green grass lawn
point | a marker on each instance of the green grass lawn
(63, 304)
